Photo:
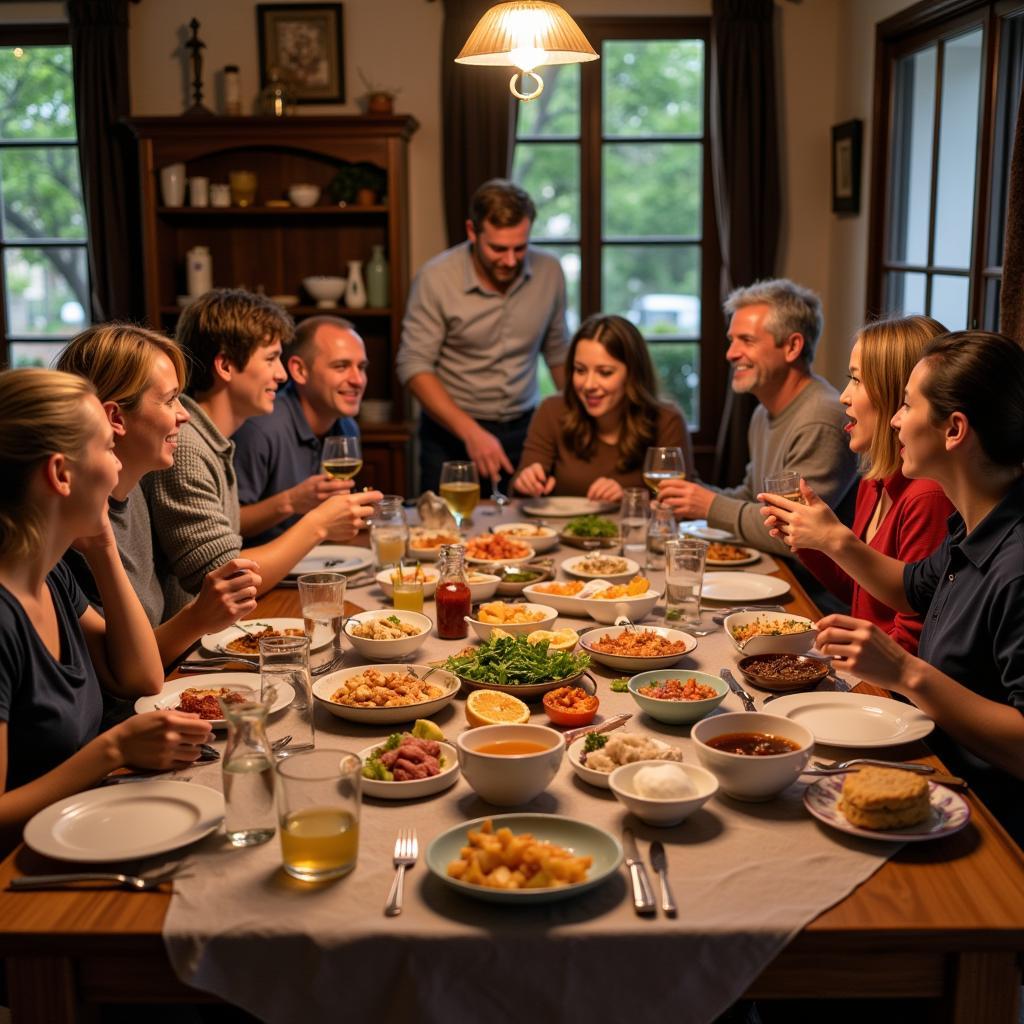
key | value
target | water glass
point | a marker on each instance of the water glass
(661, 529)
(684, 579)
(322, 596)
(785, 484)
(284, 667)
(318, 813)
(636, 510)
(247, 772)
(389, 531)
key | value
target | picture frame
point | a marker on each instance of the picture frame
(305, 43)
(847, 140)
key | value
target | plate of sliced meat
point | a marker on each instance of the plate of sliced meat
(417, 767)
(186, 694)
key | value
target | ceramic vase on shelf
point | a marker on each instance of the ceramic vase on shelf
(198, 270)
(355, 289)
(377, 279)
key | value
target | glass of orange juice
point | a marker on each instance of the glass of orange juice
(318, 797)
(407, 594)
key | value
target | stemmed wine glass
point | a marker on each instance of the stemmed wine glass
(460, 489)
(342, 457)
(663, 464)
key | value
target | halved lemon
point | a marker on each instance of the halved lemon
(491, 707)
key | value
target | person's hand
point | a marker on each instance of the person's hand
(227, 593)
(811, 526)
(160, 740)
(344, 515)
(687, 500)
(486, 451)
(315, 490)
(534, 481)
(99, 543)
(866, 651)
(604, 488)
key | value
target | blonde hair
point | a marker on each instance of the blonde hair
(40, 416)
(118, 359)
(888, 351)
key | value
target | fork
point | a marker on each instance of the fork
(139, 883)
(407, 849)
(910, 766)
(499, 499)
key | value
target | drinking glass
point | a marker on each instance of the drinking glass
(322, 596)
(389, 531)
(684, 579)
(661, 529)
(407, 595)
(243, 187)
(460, 489)
(636, 510)
(342, 457)
(318, 813)
(663, 464)
(284, 666)
(247, 771)
(786, 484)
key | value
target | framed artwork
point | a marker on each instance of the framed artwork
(304, 43)
(846, 150)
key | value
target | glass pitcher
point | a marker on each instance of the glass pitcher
(389, 531)
(247, 771)
(662, 528)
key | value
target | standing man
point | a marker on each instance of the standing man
(799, 425)
(278, 457)
(478, 316)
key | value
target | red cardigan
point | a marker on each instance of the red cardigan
(912, 529)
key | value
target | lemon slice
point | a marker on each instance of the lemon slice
(491, 707)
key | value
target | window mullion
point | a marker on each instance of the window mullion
(940, 61)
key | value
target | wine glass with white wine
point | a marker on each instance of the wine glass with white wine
(663, 464)
(342, 457)
(460, 489)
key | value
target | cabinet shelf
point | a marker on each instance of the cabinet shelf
(304, 311)
(270, 211)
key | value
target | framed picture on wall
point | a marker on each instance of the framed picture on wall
(304, 43)
(846, 149)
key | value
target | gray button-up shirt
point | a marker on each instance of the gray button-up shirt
(483, 344)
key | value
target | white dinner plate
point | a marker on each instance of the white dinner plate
(217, 643)
(119, 823)
(167, 699)
(334, 558)
(700, 528)
(854, 719)
(749, 558)
(742, 586)
(950, 813)
(562, 507)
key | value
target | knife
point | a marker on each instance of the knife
(643, 897)
(660, 864)
(730, 681)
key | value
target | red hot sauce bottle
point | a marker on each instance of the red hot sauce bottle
(452, 597)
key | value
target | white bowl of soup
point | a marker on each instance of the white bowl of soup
(508, 765)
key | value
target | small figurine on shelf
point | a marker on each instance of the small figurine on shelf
(196, 58)
(277, 98)
(377, 100)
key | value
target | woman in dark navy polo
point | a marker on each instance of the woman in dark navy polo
(58, 466)
(962, 425)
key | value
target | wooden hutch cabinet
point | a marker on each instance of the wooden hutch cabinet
(272, 248)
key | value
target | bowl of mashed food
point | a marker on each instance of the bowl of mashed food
(662, 793)
(597, 754)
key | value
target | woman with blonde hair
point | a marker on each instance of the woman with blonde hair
(901, 518)
(58, 465)
(138, 376)
(592, 439)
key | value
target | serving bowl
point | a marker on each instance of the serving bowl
(325, 686)
(791, 643)
(677, 712)
(482, 585)
(577, 567)
(483, 629)
(509, 780)
(633, 608)
(636, 662)
(783, 673)
(415, 548)
(430, 577)
(662, 813)
(389, 650)
(324, 289)
(542, 538)
(304, 194)
(509, 581)
(747, 777)
(574, 753)
(411, 789)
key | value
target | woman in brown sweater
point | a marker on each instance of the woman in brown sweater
(592, 440)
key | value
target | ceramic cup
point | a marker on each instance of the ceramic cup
(198, 191)
(172, 184)
(220, 195)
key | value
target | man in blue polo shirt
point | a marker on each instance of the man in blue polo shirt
(277, 456)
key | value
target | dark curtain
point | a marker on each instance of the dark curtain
(99, 46)
(1011, 296)
(745, 161)
(477, 109)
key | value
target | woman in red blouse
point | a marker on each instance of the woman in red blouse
(905, 519)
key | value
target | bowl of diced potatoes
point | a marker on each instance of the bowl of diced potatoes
(512, 618)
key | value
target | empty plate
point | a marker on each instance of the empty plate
(742, 586)
(567, 506)
(854, 719)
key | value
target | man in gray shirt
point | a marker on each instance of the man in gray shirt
(478, 316)
(799, 425)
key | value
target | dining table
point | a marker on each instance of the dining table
(941, 921)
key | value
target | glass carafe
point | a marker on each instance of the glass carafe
(247, 772)
(661, 528)
(389, 531)
(452, 597)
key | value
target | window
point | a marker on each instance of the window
(614, 155)
(942, 157)
(43, 260)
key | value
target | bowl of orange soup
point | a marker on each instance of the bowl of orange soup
(508, 765)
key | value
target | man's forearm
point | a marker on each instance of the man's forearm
(558, 375)
(440, 406)
(262, 515)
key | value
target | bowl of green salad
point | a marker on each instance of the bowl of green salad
(591, 532)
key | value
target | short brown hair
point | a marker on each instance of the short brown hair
(118, 359)
(229, 322)
(305, 333)
(502, 202)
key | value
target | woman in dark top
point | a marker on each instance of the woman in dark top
(58, 465)
(961, 424)
(592, 440)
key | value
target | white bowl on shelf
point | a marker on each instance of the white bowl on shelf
(304, 194)
(324, 289)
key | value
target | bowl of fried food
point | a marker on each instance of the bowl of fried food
(677, 698)
(490, 548)
(387, 635)
(385, 694)
(635, 600)
(770, 632)
(426, 544)
(512, 618)
(637, 648)
(540, 538)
